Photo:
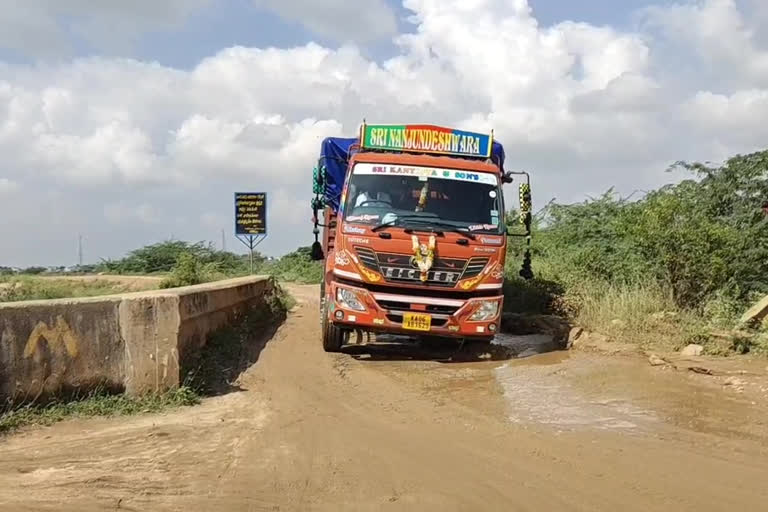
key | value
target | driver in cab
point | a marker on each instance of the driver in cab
(369, 195)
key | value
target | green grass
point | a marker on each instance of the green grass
(642, 313)
(647, 315)
(21, 288)
(94, 404)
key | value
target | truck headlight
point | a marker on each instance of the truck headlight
(486, 311)
(348, 299)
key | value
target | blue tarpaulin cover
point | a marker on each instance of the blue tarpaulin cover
(335, 153)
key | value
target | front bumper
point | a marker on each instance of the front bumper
(384, 312)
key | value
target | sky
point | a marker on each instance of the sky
(130, 123)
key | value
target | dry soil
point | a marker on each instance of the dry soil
(393, 427)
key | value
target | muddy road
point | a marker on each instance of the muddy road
(396, 428)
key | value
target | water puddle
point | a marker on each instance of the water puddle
(522, 346)
(544, 385)
(538, 391)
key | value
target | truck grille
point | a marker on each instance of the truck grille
(411, 275)
(367, 257)
(475, 266)
(397, 268)
(392, 306)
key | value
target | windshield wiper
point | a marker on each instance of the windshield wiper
(384, 225)
(434, 221)
(449, 227)
(394, 222)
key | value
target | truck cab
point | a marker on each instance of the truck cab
(417, 240)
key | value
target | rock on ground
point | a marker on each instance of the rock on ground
(692, 350)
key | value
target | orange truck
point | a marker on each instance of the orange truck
(414, 233)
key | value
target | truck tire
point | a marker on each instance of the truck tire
(333, 336)
(322, 304)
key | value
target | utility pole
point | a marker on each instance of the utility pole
(223, 242)
(80, 250)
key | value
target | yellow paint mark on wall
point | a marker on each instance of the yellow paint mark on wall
(60, 334)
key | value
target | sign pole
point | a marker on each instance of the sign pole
(250, 241)
(251, 221)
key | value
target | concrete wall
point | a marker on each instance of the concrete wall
(134, 342)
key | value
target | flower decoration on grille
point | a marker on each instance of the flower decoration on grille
(423, 258)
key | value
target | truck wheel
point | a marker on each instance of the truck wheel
(333, 336)
(322, 304)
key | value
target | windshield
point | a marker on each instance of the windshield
(402, 195)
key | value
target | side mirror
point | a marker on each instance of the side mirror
(507, 177)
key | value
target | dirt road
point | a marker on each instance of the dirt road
(396, 429)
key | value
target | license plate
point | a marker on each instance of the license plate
(417, 321)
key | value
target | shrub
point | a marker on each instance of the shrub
(700, 239)
(190, 270)
(295, 267)
(163, 257)
(698, 249)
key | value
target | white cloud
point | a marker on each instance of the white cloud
(7, 187)
(147, 147)
(262, 146)
(124, 212)
(721, 35)
(215, 220)
(365, 20)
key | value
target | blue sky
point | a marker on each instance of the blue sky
(129, 122)
(617, 13)
(239, 22)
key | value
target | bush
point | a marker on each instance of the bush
(701, 240)
(536, 296)
(163, 257)
(190, 270)
(698, 249)
(295, 267)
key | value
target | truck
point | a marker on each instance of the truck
(414, 233)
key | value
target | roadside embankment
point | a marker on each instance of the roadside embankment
(136, 343)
